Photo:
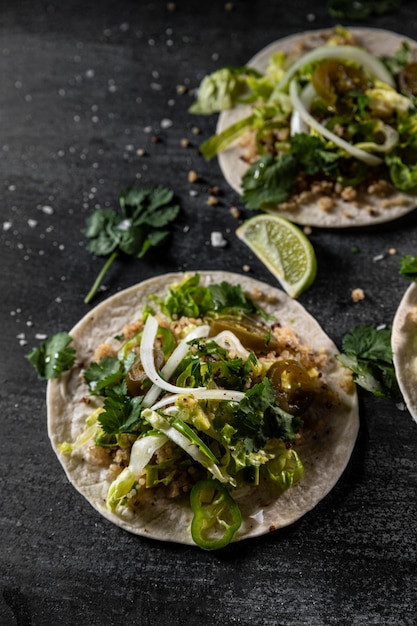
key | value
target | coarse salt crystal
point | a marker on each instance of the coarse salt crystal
(217, 240)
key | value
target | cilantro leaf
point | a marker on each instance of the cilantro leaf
(367, 353)
(54, 356)
(408, 267)
(121, 412)
(103, 374)
(140, 226)
(101, 229)
(271, 180)
(227, 297)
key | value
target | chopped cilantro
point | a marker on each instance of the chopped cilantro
(367, 353)
(258, 418)
(190, 299)
(103, 375)
(121, 412)
(270, 181)
(399, 60)
(140, 226)
(54, 356)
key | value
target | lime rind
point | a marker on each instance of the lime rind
(283, 248)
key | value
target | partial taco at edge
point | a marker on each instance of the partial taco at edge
(404, 348)
(202, 409)
(319, 127)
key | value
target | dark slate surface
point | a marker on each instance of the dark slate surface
(83, 87)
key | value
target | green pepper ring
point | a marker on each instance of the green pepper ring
(206, 515)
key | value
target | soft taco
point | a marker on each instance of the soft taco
(202, 409)
(404, 348)
(319, 127)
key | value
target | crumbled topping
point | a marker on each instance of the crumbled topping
(357, 295)
(192, 176)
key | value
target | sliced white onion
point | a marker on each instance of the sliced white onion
(298, 125)
(391, 139)
(202, 394)
(148, 363)
(228, 341)
(173, 362)
(346, 53)
(369, 159)
(143, 450)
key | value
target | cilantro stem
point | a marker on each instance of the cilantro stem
(100, 277)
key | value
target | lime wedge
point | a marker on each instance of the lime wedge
(283, 248)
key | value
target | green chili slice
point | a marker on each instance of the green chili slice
(216, 515)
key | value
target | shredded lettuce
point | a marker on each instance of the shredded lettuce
(221, 90)
(141, 453)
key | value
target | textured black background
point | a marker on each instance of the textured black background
(83, 87)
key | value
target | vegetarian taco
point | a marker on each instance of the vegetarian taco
(319, 127)
(404, 347)
(202, 409)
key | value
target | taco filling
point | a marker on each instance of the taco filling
(324, 120)
(193, 418)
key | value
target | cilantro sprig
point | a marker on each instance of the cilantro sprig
(367, 353)
(141, 225)
(54, 356)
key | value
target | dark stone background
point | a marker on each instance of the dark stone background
(83, 87)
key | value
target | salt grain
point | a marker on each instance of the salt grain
(217, 240)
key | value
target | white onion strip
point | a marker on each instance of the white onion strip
(391, 139)
(228, 341)
(369, 159)
(173, 361)
(202, 394)
(147, 357)
(345, 53)
(298, 125)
